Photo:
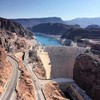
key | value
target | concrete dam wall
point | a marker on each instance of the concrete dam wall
(62, 60)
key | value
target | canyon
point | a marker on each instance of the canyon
(48, 71)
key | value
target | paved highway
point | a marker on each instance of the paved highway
(38, 91)
(12, 82)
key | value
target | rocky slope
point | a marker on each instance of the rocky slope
(24, 89)
(13, 35)
(90, 32)
(74, 33)
(52, 92)
(87, 74)
(53, 29)
(5, 69)
(38, 66)
(14, 38)
(12, 42)
(14, 27)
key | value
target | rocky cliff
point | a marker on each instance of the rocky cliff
(12, 42)
(87, 74)
(13, 35)
(89, 32)
(52, 92)
(14, 27)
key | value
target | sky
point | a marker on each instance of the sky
(66, 9)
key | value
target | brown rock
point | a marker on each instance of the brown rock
(40, 72)
(52, 92)
(11, 42)
(5, 69)
(87, 75)
(25, 89)
(11, 26)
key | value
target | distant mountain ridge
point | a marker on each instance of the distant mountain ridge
(29, 22)
(84, 22)
(68, 31)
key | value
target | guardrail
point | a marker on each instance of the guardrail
(36, 76)
(43, 94)
(13, 58)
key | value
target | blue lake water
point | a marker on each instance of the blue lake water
(47, 41)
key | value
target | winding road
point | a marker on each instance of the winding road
(38, 91)
(13, 80)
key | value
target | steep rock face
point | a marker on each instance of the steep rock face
(39, 69)
(13, 35)
(87, 75)
(14, 27)
(52, 92)
(53, 29)
(11, 42)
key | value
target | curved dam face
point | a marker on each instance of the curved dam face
(62, 60)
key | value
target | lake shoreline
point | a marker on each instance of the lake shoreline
(55, 37)
(47, 40)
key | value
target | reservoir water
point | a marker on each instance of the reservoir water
(47, 41)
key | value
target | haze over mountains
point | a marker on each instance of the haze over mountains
(29, 22)
(83, 22)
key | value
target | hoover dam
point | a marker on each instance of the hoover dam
(60, 63)
(61, 60)
(46, 72)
